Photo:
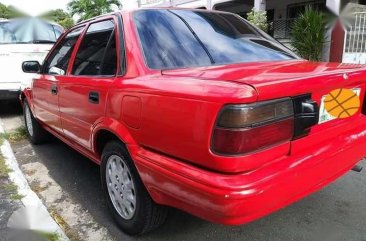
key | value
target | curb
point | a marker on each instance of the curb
(37, 216)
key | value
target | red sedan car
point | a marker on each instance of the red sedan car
(197, 110)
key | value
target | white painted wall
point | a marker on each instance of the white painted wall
(193, 4)
(334, 6)
(260, 5)
(129, 4)
(354, 58)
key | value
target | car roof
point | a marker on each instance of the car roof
(146, 9)
(172, 8)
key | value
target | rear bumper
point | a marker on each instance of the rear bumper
(240, 198)
(9, 94)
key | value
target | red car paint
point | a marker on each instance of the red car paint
(166, 119)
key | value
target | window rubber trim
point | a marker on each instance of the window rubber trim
(122, 50)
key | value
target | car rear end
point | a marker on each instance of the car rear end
(251, 134)
(22, 40)
(273, 151)
(13, 79)
(322, 147)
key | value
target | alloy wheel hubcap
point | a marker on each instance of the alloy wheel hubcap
(120, 187)
(28, 120)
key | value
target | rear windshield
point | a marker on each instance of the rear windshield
(192, 38)
(30, 30)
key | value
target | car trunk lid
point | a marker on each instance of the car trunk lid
(274, 80)
(281, 78)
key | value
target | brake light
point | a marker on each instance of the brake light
(246, 128)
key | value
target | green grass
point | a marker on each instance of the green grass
(2, 138)
(49, 236)
(4, 169)
(14, 136)
(16, 196)
(5, 185)
(9, 188)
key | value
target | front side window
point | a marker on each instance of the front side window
(97, 53)
(59, 59)
(191, 38)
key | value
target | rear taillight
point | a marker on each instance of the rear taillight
(246, 128)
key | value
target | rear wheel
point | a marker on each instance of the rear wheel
(127, 198)
(35, 131)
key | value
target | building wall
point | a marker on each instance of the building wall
(237, 6)
(194, 4)
(280, 7)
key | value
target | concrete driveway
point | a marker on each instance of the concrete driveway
(336, 213)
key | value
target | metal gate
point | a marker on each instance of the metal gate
(355, 39)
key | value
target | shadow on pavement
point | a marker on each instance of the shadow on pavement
(10, 108)
(327, 215)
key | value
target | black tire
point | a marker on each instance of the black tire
(38, 135)
(148, 215)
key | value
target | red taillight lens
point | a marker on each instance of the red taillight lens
(232, 142)
(246, 128)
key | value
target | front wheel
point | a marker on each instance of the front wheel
(130, 203)
(35, 131)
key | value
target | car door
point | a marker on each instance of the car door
(45, 86)
(83, 93)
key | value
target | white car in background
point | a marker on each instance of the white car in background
(23, 40)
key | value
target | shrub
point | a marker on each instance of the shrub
(308, 34)
(259, 19)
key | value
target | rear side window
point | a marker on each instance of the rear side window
(97, 53)
(59, 59)
(167, 41)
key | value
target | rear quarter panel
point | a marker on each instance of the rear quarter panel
(174, 116)
(177, 115)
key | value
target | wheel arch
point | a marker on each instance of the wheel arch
(26, 95)
(107, 130)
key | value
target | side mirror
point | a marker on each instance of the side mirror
(31, 67)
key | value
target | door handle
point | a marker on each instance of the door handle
(54, 89)
(94, 97)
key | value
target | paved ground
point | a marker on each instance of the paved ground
(23, 216)
(336, 213)
(11, 115)
(8, 203)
